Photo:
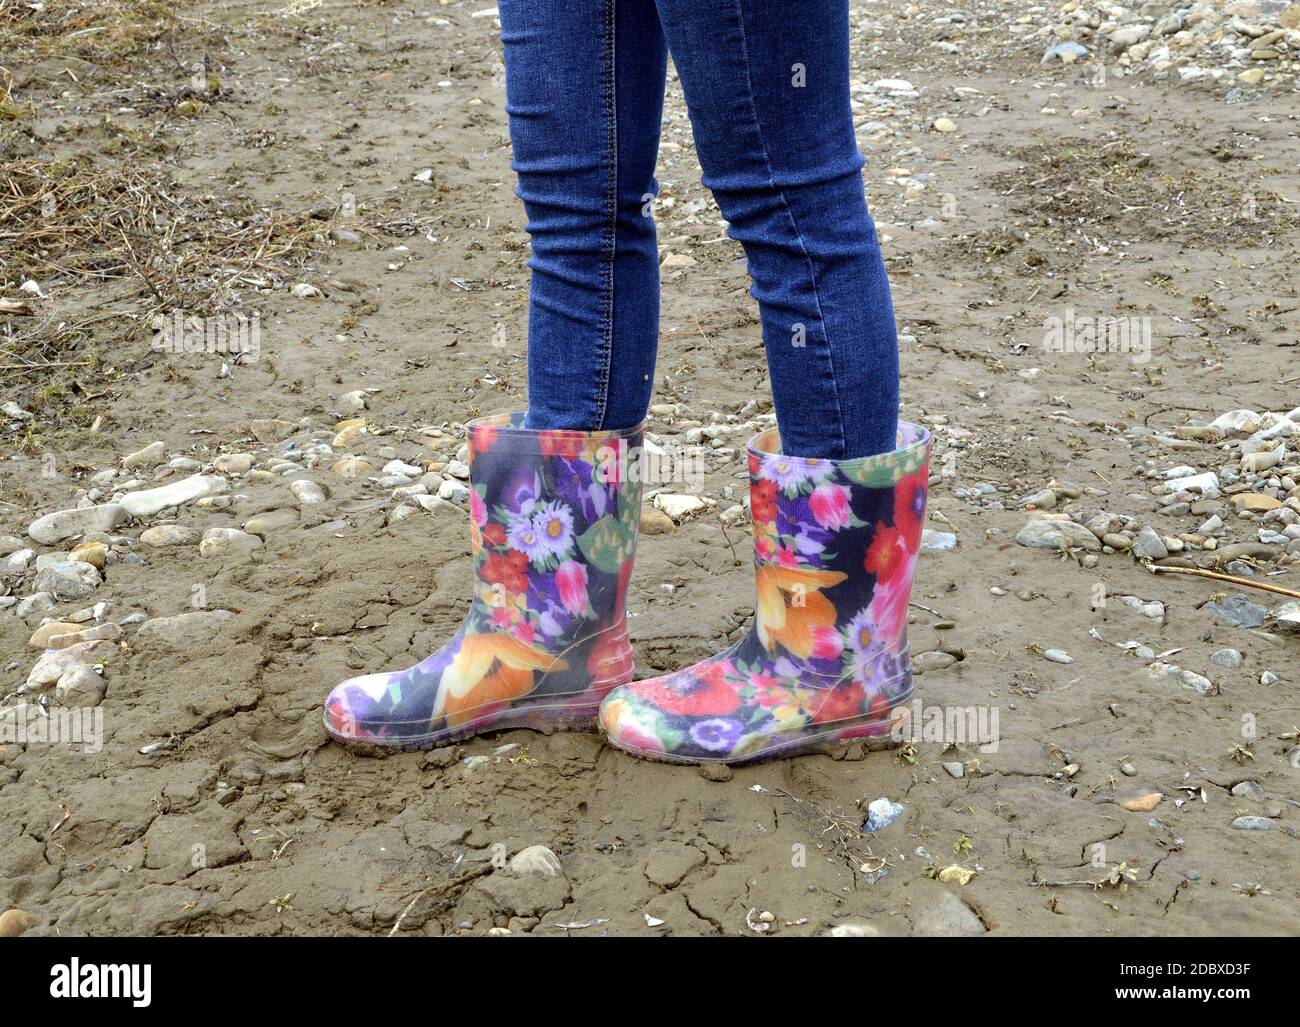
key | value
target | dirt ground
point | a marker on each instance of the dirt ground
(360, 149)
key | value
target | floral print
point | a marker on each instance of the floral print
(553, 523)
(835, 550)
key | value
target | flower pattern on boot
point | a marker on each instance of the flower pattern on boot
(553, 524)
(826, 660)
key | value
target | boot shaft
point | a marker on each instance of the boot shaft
(835, 550)
(553, 528)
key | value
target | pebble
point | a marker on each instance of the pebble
(93, 553)
(536, 861)
(223, 541)
(307, 493)
(164, 535)
(881, 813)
(1252, 824)
(1268, 678)
(1149, 545)
(1057, 656)
(655, 522)
(154, 453)
(1128, 770)
(1249, 790)
(55, 527)
(54, 663)
(17, 562)
(678, 506)
(1045, 534)
(1142, 803)
(955, 769)
(352, 467)
(264, 524)
(233, 463)
(1229, 658)
(924, 663)
(1287, 615)
(14, 922)
(940, 541)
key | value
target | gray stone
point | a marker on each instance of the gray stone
(947, 917)
(1043, 534)
(1249, 790)
(55, 527)
(1149, 545)
(1239, 611)
(1229, 658)
(177, 493)
(1253, 824)
(69, 579)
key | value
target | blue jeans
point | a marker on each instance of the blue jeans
(767, 87)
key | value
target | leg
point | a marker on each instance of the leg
(767, 86)
(584, 91)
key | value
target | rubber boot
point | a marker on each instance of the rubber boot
(826, 659)
(553, 526)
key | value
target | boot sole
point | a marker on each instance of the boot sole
(820, 744)
(545, 719)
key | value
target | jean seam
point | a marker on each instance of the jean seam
(794, 222)
(611, 207)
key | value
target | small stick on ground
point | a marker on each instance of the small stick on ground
(1244, 582)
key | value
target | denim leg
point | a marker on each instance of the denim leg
(584, 93)
(767, 87)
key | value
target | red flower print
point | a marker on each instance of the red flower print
(754, 463)
(886, 553)
(689, 696)
(909, 508)
(494, 534)
(762, 502)
(830, 506)
(507, 570)
(847, 699)
(561, 443)
(482, 438)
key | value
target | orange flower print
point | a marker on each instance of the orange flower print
(791, 608)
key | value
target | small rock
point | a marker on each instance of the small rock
(1142, 803)
(1229, 658)
(1057, 656)
(536, 861)
(14, 922)
(655, 522)
(1249, 790)
(80, 686)
(164, 535)
(154, 453)
(1252, 824)
(1149, 545)
(308, 493)
(955, 769)
(224, 541)
(677, 505)
(233, 463)
(1239, 611)
(882, 813)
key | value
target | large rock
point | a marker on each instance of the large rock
(150, 501)
(68, 579)
(55, 527)
(1045, 534)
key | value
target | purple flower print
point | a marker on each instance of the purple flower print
(521, 491)
(522, 534)
(574, 485)
(717, 734)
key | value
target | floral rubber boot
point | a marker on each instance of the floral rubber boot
(826, 659)
(553, 526)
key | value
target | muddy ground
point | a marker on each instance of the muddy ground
(295, 156)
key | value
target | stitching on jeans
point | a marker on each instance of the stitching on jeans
(794, 222)
(611, 207)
